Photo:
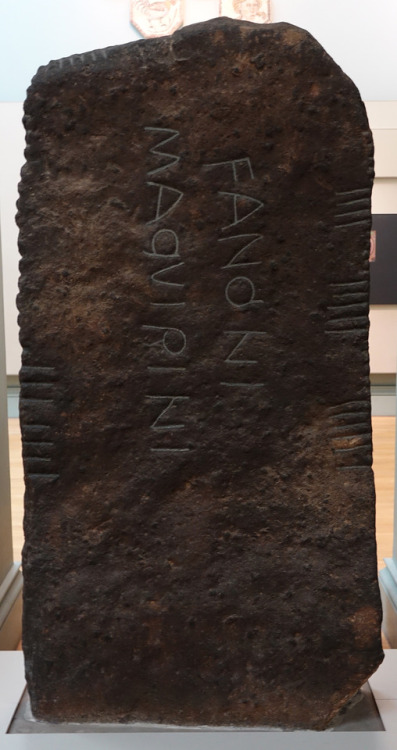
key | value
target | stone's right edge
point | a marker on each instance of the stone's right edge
(233, 582)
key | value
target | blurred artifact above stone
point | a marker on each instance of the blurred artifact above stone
(155, 18)
(194, 228)
(257, 11)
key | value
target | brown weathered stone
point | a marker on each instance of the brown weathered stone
(195, 216)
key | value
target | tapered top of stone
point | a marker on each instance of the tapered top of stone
(195, 410)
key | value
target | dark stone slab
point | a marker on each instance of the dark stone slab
(195, 216)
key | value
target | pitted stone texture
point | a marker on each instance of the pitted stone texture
(195, 216)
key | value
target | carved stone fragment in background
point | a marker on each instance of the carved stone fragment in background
(194, 229)
(155, 18)
(257, 11)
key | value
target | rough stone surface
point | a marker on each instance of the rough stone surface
(195, 216)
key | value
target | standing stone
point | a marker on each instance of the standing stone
(195, 217)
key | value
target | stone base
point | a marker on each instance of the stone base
(361, 716)
(383, 685)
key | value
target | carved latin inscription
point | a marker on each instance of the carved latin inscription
(166, 276)
(240, 290)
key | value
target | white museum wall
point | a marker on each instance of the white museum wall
(359, 35)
